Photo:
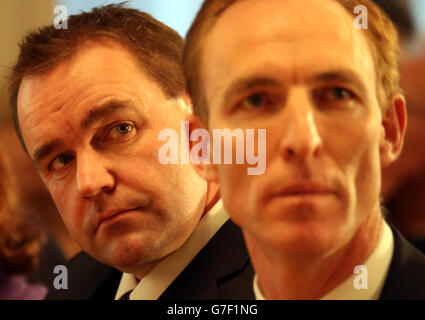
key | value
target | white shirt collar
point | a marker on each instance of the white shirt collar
(166, 271)
(377, 266)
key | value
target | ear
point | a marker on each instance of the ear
(394, 127)
(200, 154)
(185, 103)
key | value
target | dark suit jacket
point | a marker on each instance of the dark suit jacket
(406, 276)
(420, 244)
(221, 270)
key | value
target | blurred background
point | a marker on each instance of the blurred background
(403, 183)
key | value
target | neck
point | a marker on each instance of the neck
(314, 277)
(211, 198)
(142, 272)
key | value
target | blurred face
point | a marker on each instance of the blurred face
(310, 83)
(91, 128)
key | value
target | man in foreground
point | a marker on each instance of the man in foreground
(89, 103)
(327, 93)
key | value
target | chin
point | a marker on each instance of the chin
(130, 251)
(302, 238)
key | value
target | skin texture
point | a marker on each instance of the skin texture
(311, 84)
(112, 164)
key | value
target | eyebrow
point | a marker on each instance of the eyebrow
(245, 84)
(343, 75)
(100, 112)
(46, 149)
(248, 83)
(104, 110)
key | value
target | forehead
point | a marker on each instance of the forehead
(300, 36)
(93, 66)
(62, 97)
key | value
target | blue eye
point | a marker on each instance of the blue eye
(119, 130)
(61, 161)
(341, 94)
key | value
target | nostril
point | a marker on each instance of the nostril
(290, 152)
(107, 189)
(317, 150)
(93, 175)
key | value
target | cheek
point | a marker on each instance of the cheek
(70, 206)
(60, 198)
(170, 185)
(140, 162)
(235, 189)
(368, 177)
(356, 153)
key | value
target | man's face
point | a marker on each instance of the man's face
(91, 126)
(308, 78)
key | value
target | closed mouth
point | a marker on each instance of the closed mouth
(112, 214)
(299, 190)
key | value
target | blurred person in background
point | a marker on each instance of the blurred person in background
(36, 203)
(20, 244)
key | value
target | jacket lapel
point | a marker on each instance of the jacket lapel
(222, 270)
(406, 276)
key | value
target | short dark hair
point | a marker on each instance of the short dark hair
(157, 48)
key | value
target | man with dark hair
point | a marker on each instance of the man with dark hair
(89, 103)
(321, 77)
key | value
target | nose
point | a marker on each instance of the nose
(93, 175)
(301, 139)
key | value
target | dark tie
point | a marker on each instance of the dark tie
(126, 296)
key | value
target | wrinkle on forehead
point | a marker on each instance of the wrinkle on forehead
(38, 106)
(75, 84)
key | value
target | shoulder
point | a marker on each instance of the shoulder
(406, 276)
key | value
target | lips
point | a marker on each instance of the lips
(302, 189)
(112, 213)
